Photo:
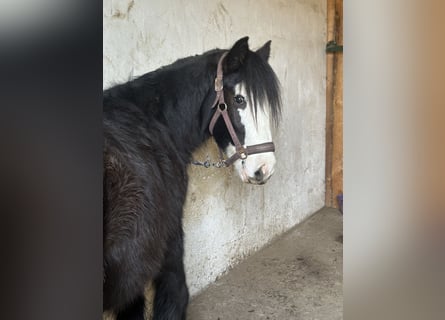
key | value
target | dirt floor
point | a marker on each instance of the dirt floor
(298, 276)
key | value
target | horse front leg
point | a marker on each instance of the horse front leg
(171, 297)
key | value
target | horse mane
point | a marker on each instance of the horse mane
(262, 86)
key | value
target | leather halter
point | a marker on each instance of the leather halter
(242, 152)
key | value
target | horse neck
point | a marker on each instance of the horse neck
(185, 117)
(181, 97)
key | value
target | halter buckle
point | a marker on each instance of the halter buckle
(242, 153)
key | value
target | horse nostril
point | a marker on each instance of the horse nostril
(259, 175)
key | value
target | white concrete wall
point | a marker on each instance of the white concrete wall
(226, 220)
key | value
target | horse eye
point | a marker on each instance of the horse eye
(239, 99)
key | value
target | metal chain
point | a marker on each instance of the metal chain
(208, 163)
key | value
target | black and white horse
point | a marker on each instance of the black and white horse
(152, 125)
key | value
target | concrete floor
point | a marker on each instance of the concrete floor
(299, 276)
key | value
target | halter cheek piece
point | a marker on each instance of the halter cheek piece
(242, 152)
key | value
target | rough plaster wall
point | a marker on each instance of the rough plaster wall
(226, 220)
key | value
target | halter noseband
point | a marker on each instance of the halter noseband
(242, 152)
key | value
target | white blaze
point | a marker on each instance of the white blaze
(255, 133)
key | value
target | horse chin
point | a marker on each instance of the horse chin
(255, 182)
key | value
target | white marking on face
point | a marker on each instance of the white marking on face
(257, 168)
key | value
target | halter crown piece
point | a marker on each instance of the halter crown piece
(242, 152)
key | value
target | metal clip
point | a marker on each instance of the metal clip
(205, 164)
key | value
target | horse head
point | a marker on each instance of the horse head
(251, 96)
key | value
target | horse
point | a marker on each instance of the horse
(152, 124)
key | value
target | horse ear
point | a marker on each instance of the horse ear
(264, 51)
(236, 56)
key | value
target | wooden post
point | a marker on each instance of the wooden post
(334, 105)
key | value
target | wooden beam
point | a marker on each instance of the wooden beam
(334, 105)
(337, 139)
